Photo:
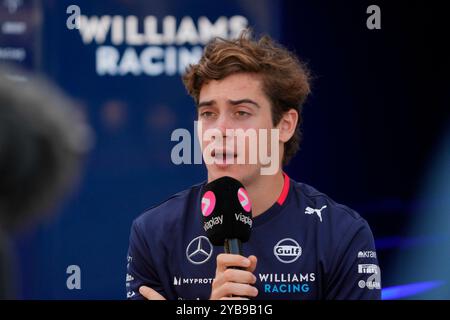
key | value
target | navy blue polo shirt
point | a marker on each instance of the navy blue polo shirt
(308, 247)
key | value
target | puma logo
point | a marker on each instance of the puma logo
(309, 210)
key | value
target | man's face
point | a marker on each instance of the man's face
(235, 102)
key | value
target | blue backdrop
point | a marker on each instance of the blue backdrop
(374, 139)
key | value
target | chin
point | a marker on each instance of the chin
(241, 173)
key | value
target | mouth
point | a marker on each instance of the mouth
(224, 157)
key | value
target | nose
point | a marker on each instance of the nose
(223, 123)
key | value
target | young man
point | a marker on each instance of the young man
(303, 244)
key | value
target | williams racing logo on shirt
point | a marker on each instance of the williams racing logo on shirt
(287, 282)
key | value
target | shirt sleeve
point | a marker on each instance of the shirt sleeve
(140, 267)
(355, 273)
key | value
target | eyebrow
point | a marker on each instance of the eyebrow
(232, 102)
(205, 104)
(236, 102)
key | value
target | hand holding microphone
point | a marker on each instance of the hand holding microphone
(226, 210)
(234, 284)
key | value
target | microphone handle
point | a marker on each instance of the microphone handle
(233, 246)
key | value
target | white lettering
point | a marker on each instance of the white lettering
(212, 222)
(145, 31)
(243, 218)
(94, 28)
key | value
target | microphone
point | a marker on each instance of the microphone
(43, 140)
(227, 214)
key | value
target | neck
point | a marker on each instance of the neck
(264, 191)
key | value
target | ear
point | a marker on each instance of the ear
(288, 125)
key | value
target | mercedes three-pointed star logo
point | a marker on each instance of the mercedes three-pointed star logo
(199, 250)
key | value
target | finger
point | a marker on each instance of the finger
(234, 275)
(253, 262)
(235, 289)
(225, 260)
(150, 294)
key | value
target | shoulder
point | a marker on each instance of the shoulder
(340, 231)
(168, 212)
(336, 223)
(330, 215)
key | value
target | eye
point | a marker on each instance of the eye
(241, 114)
(206, 114)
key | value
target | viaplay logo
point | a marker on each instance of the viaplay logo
(208, 203)
(244, 199)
